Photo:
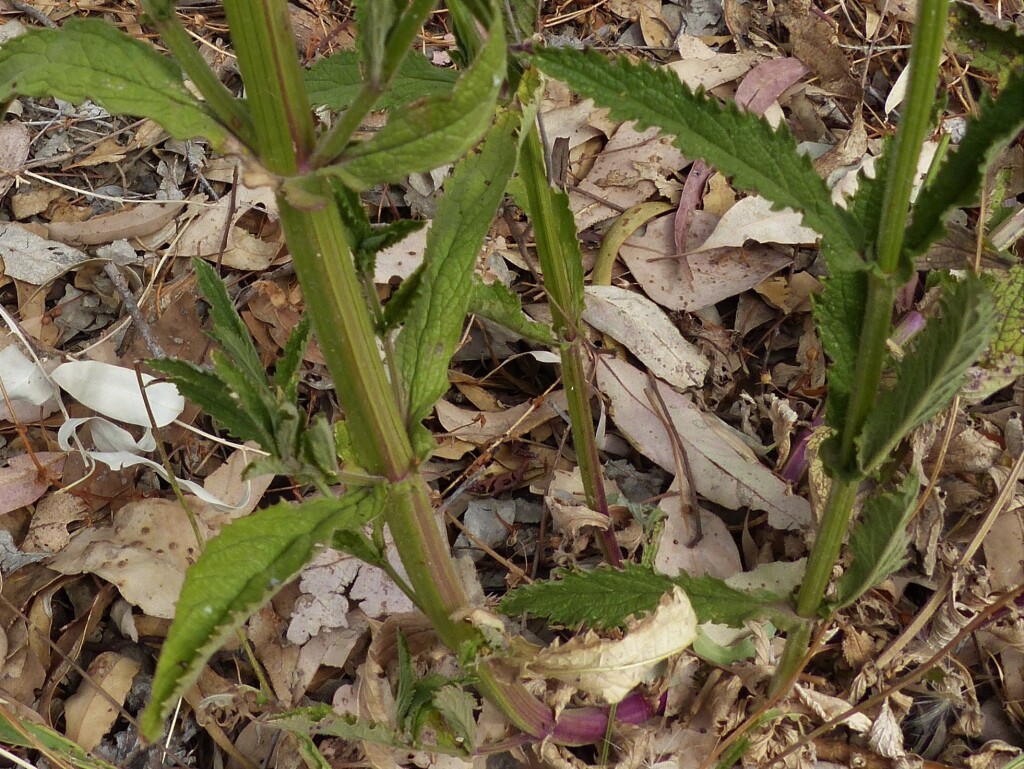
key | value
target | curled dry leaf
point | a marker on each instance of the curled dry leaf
(243, 251)
(627, 172)
(89, 712)
(479, 428)
(643, 328)
(610, 669)
(135, 222)
(753, 219)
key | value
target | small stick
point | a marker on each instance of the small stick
(132, 308)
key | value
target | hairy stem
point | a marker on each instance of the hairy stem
(926, 50)
(275, 91)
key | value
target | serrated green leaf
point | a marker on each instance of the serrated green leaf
(457, 707)
(991, 44)
(839, 312)
(317, 446)
(210, 393)
(742, 146)
(357, 544)
(334, 82)
(715, 601)
(228, 329)
(286, 371)
(434, 323)
(929, 376)
(498, 303)
(960, 177)
(353, 213)
(406, 683)
(387, 235)
(602, 598)
(90, 59)
(1008, 293)
(322, 720)
(878, 541)
(239, 571)
(432, 132)
(524, 15)
(255, 400)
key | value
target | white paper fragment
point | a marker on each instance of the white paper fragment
(114, 392)
(646, 331)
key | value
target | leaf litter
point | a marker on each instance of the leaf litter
(718, 315)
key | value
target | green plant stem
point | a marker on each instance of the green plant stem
(275, 91)
(871, 356)
(399, 42)
(561, 264)
(825, 551)
(220, 101)
(925, 56)
(929, 34)
(323, 263)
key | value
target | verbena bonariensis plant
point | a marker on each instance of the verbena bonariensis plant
(485, 122)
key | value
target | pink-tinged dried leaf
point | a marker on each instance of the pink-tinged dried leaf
(643, 328)
(689, 200)
(136, 222)
(22, 482)
(15, 141)
(89, 714)
(705, 278)
(611, 669)
(724, 469)
(767, 82)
